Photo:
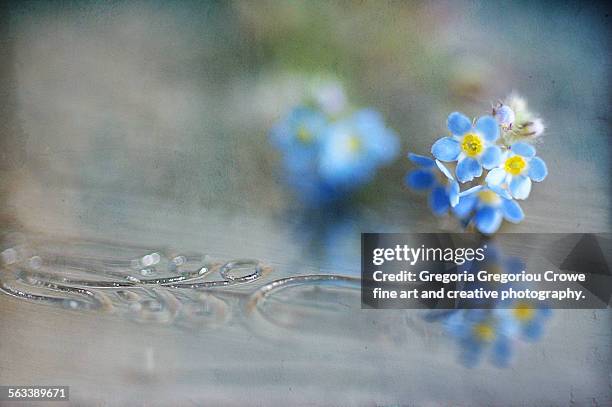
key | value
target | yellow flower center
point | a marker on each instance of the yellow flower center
(523, 312)
(472, 145)
(353, 144)
(484, 332)
(489, 197)
(304, 135)
(515, 165)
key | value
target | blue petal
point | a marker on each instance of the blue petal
(382, 145)
(533, 330)
(471, 190)
(438, 201)
(456, 325)
(500, 191)
(379, 143)
(502, 352)
(496, 176)
(472, 352)
(421, 160)
(491, 157)
(465, 206)
(476, 315)
(512, 211)
(514, 265)
(524, 149)
(467, 169)
(488, 219)
(488, 127)
(537, 169)
(420, 179)
(458, 123)
(453, 193)
(368, 118)
(544, 312)
(520, 186)
(446, 149)
(507, 324)
(445, 170)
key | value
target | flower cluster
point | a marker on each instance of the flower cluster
(494, 330)
(493, 156)
(329, 149)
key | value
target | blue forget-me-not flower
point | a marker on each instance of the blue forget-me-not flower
(297, 136)
(491, 206)
(519, 166)
(329, 150)
(352, 149)
(472, 146)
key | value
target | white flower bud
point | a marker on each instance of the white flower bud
(533, 128)
(504, 115)
(330, 97)
(517, 103)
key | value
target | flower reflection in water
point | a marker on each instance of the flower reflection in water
(496, 331)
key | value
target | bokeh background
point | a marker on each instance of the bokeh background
(147, 123)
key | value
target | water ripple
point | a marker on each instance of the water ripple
(160, 286)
